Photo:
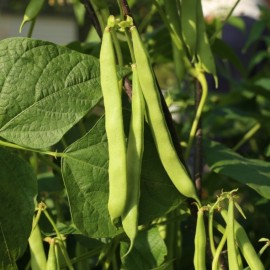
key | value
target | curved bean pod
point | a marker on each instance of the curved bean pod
(163, 141)
(114, 128)
(134, 160)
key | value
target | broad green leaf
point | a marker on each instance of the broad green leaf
(18, 188)
(149, 251)
(252, 172)
(85, 173)
(44, 90)
(264, 83)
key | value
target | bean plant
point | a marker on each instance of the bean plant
(107, 159)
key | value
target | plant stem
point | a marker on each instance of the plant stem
(50, 163)
(43, 152)
(198, 159)
(210, 231)
(247, 136)
(222, 242)
(93, 16)
(213, 37)
(130, 46)
(31, 29)
(125, 8)
(53, 224)
(201, 79)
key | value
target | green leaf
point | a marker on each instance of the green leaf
(264, 83)
(85, 173)
(255, 34)
(18, 189)
(149, 251)
(45, 89)
(252, 172)
(225, 52)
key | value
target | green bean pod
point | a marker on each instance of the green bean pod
(52, 261)
(172, 14)
(189, 24)
(231, 246)
(32, 10)
(134, 160)
(200, 243)
(38, 256)
(205, 57)
(163, 141)
(245, 246)
(114, 128)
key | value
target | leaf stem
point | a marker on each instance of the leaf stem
(201, 79)
(31, 29)
(218, 251)
(247, 136)
(19, 147)
(219, 29)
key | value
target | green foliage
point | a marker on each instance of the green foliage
(18, 191)
(252, 172)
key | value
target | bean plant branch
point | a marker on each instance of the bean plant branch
(247, 136)
(216, 33)
(125, 8)
(201, 79)
(198, 155)
(93, 17)
(18, 147)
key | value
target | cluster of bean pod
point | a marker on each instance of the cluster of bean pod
(235, 237)
(187, 29)
(125, 158)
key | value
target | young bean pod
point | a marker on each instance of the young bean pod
(179, 54)
(134, 160)
(52, 261)
(172, 14)
(38, 256)
(32, 10)
(232, 253)
(200, 243)
(114, 128)
(245, 245)
(163, 141)
(189, 24)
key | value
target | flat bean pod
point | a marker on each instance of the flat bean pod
(163, 141)
(134, 160)
(114, 128)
